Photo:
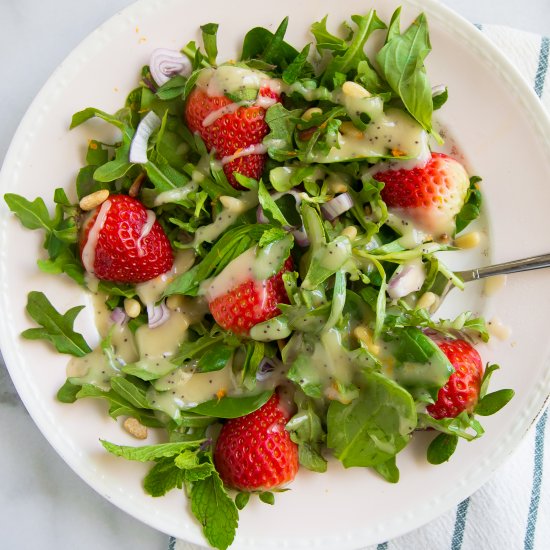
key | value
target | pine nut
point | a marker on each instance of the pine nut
(132, 307)
(91, 201)
(231, 203)
(426, 301)
(310, 112)
(352, 89)
(350, 232)
(134, 427)
(337, 187)
(469, 240)
(347, 128)
(364, 335)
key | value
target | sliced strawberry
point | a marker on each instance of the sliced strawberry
(250, 302)
(122, 242)
(461, 392)
(231, 130)
(431, 196)
(255, 452)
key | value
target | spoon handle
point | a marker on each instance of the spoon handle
(527, 264)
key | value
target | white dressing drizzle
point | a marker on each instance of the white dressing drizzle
(145, 230)
(257, 149)
(88, 252)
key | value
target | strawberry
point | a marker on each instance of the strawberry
(255, 452)
(239, 131)
(122, 242)
(461, 392)
(250, 302)
(430, 196)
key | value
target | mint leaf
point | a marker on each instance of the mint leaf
(150, 452)
(442, 448)
(493, 402)
(56, 328)
(163, 477)
(215, 511)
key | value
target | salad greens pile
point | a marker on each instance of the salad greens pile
(385, 367)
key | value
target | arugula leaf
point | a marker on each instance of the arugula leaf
(282, 123)
(401, 62)
(215, 511)
(374, 427)
(231, 244)
(209, 32)
(298, 67)
(272, 236)
(472, 206)
(326, 40)
(347, 59)
(68, 392)
(269, 206)
(232, 407)
(33, 215)
(442, 448)
(56, 328)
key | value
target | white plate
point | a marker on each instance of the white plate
(496, 121)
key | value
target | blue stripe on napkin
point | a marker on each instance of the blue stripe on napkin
(543, 66)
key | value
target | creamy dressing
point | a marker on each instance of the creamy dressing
(178, 194)
(185, 389)
(334, 254)
(226, 218)
(494, 284)
(88, 252)
(151, 291)
(498, 329)
(257, 149)
(145, 230)
(394, 131)
(94, 368)
(356, 106)
(229, 79)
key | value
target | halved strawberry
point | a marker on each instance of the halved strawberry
(250, 302)
(430, 196)
(235, 132)
(461, 392)
(122, 242)
(255, 452)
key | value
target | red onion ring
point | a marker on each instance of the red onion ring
(336, 206)
(165, 64)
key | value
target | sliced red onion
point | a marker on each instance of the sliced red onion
(336, 206)
(118, 316)
(406, 279)
(165, 64)
(157, 314)
(266, 367)
(138, 147)
(260, 215)
(301, 238)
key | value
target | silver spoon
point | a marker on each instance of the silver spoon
(442, 286)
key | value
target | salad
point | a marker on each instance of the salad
(261, 247)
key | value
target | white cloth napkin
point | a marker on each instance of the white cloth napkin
(511, 511)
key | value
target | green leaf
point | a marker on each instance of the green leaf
(347, 59)
(440, 99)
(209, 32)
(135, 395)
(163, 477)
(305, 374)
(493, 402)
(269, 206)
(67, 393)
(232, 407)
(282, 123)
(471, 208)
(388, 470)
(97, 154)
(296, 69)
(215, 511)
(374, 427)
(401, 62)
(215, 359)
(241, 500)
(326, 40)
(175, 87)
(463, 425)
(56, 328)
(271, 236)
(33, 215)
(442, 448)
(487, 374)
(267, 497)
(259, 41)
(231, 244)
(150, 452)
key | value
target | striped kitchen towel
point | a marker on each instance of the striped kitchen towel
(511, 511)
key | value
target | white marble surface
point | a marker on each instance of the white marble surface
(43, 504)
